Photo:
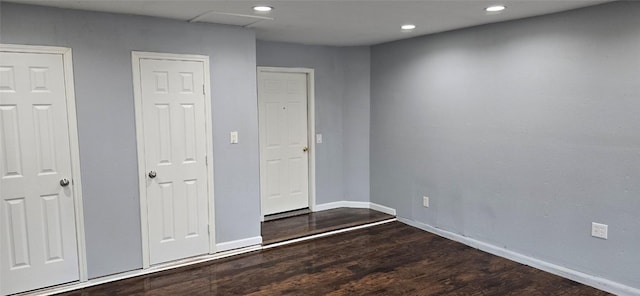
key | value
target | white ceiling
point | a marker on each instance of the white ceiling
(330, 22)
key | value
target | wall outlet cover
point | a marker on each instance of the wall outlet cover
(599, 230)
(233, 137)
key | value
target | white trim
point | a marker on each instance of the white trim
(137, 99)
(383, 209)
(342, 204)
(74, 145)
(590, 280)
(209, 131)
(320, 235)
(241, 243)
(140, 272)
(311, 118)
(311, 127)
(19, 48)
(136, 56)
(75, 164)
(357, 205)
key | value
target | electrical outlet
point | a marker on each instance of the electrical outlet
(425, 201)
(233, 137)
(599, 230)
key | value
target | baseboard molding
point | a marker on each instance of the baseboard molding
(237, 244)
(141, 272)
(341, 204)
(383, 209)
(354, 204)
(590, 280)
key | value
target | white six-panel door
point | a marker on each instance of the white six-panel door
(177, 198)
(284, 157)
(38, 244)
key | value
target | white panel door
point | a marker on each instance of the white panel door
(173, 112)
(284, 158)
(38, 243)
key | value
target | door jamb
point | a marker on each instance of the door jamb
(136, 56)
(76, 183)
(311, 127)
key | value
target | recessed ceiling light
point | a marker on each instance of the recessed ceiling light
(495, 8)
(262, 8)
(408, 27)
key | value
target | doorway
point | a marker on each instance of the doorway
(42, 233)
(173, 125)
(286, 128)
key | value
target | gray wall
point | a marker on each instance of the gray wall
(102, 45)
(522, 133)
(342, 113)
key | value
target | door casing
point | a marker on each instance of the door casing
(311, 126)
(136, 56)
(72, 125)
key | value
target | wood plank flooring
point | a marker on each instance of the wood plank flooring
(388, 259)
(318, 222)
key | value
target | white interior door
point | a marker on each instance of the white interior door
(173, 115)
(284, 157)
(38, 243)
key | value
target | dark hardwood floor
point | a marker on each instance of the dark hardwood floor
(318, 222)
(388, 259)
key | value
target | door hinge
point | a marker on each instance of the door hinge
(206, 160)
(203, 90)
(209, 229)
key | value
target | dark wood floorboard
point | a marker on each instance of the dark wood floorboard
(317, 222)
(388, 259)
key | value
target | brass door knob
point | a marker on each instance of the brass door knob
(152, 174)
(64, 182)
(305, 149)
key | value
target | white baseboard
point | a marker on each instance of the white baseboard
(355, 204)
(383, 209)
(237, 244)
(590, 280)
(341, 204)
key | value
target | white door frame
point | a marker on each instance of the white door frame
(311, 126)
(76, 183)
(136, 56)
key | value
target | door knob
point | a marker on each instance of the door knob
(305, 149)
(152, 174)
(64, 182)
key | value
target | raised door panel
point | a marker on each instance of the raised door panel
(17, 233)
(52, 227)
(11, 151)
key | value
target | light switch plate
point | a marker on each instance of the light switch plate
(233, 137)
(425, 201)
(319, 138)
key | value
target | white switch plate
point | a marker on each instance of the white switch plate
(599, 230)
(425, 201)
(233, 137)
(319, 138)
